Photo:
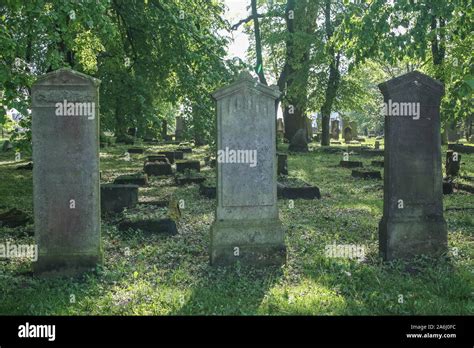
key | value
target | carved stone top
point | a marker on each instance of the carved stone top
(413, 79)
(246, 81)
(66, 76)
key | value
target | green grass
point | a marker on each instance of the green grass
(146, 274)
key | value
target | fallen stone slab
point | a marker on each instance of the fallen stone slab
(14, 218)
(161, 226)
(28, 166)
(169, 155)
(311, 192)
(366, 174)
(157, 158)
(329, 149)
(372, 152)
(293, 188)
(464, 187)
(185, 149)
(132, 179)
(377, 163)
(188, 180)
(184, 165)
(155, 203)
(137, 150)
(157, 168)
(350, 164)
(115, 197)
(178, 155)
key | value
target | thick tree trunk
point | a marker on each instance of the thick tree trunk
(325, 124)
(333, 80)
(294, 77)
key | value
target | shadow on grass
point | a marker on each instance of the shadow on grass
(231, 290)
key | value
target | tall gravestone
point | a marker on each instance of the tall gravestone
(65, 130)
(412, 222)
(247, 226)
(179, 128)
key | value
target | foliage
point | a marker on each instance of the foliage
(132, 46)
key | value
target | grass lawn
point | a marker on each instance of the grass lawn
(152, 274)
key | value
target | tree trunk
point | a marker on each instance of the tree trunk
(438, 54)
(333, 80)
(258, 44)
(294, 77)
(120, 126)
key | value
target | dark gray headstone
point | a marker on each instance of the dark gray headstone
(412, 222)
(299, 142)
(179, 128)
(65, 130)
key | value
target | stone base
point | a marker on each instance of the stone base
(66, 265)
(408, 238)
(259, 242)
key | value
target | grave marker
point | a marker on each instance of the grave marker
(246, 227)
(412, 221)
(65, 130)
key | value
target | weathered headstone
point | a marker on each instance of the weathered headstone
(65, 129)
(282, 164)
(335, 129)
(309, 129)
(246, 227)
(453, 163)
(179, 128)
(280, 129)
(299, 142)
(347, 134)
(412, 222)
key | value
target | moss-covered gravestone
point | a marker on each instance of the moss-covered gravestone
(412, 222)
(246, 227)
(65, 130)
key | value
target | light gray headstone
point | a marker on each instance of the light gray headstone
(66, 171)
(246, 226)
(412, 222)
